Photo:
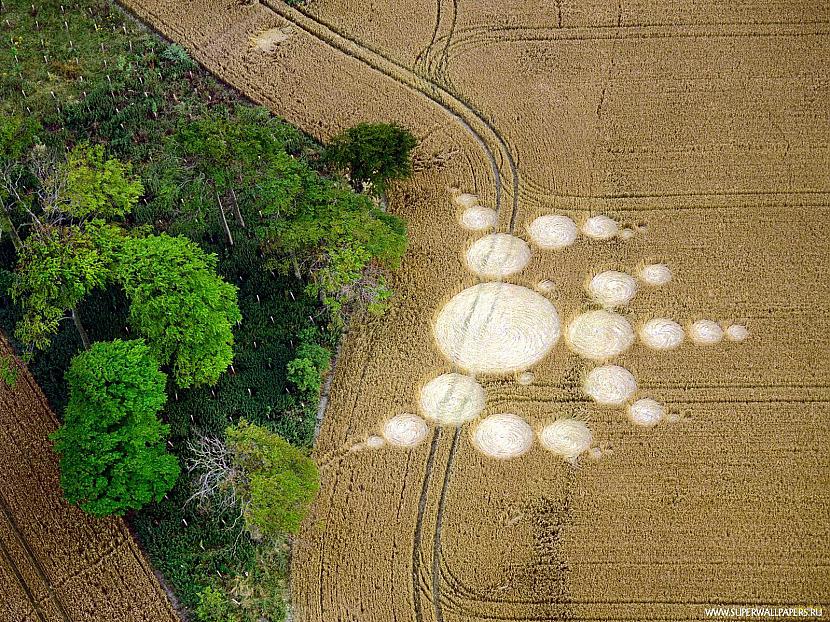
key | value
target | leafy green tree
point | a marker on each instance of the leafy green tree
(112, 443)
(278, 481)
(373, 154)
(269, 481)
(214, 606)
(180, 305)
(56, 268)
(98, 187)
(17, 136)
(339, 239)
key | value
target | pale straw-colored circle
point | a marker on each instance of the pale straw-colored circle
(566, 437)
(405, 430)
(375, 442)
(452, 399)
(498, 255)
(503, 436)
(627, 234)
(600, 335)
(646, 412)
(612, 288)
(525, 378)
(552, 232)
(705, 332)
(546, 286)
(655, 274)
(737, 332)
(600, 227)
(465, 200)
(610, 385)
(662, 334)
(496, 328)
(478, 218)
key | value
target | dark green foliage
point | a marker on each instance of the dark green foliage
(275, 481)
(373, 154)
(180, 305)
(112, 444)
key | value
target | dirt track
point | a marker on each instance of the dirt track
(701, 128)
(56, 563)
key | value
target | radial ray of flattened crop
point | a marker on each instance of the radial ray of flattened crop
(496, 328)
(600, 335)
(498, 255)
(452, 399)
(503, 436)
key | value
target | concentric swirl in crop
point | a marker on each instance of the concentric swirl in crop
(545, 286)
(737, 332)
(611, 385)
(375, 442)
(600, 335)
(600, 227)
(661, 334)
(503, 436)
(705, 332)
(465, 200)
(496, 328)
(498, 255)
(478, 218)
(552, 232)
(452, 399)
(645, 412)
(612, 288)
(405, 430)
(655, 274)
(566, 437)
(525, 378)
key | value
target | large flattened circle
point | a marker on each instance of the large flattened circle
(496, 328)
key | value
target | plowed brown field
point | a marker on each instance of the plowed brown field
(701, 129)
(56, 563)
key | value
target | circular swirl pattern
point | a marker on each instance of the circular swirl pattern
(566, 437)
(610, 385)
(655, 274)
(465, 200)
(645, 412)
(496, 328)
(737, 332)
(498, 255)
(545, 286)
(478, 218)
(552, 232)
(705, 332)
(600, 335)
(503, 436)
(661, 334)
(600, 227)
(627, 234)
(612, 288)
(375, 442)
(405, 430)
(452, 399)
(525, 378)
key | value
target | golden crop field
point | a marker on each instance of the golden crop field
(58, 564)
(602, 391)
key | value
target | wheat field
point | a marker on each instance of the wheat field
(634, 421)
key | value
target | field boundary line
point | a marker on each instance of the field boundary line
(21, 581)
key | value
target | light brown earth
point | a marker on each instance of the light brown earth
(58, 564)
(703, 123)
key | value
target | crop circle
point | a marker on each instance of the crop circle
(452, 399)
(503, 436)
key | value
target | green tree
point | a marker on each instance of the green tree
(269, 481)
(17, 136)
(277, 481)
(56, 268)
(98, 187)
(180, 305)
(112, 443)
(373, 154)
